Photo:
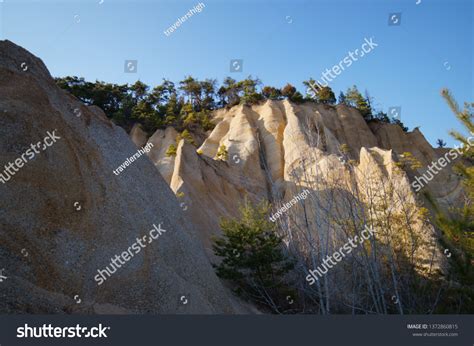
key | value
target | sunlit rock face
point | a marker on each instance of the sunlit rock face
(278, 149)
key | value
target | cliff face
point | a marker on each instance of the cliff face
(445, 187)
(65, 214)
(278, 149)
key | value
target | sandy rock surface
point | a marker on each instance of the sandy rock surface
(71, 214)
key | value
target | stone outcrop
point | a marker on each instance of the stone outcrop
(138, 136)
(161, 141)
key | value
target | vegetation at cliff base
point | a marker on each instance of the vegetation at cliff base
(252, 257)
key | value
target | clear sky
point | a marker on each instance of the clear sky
(279, 42)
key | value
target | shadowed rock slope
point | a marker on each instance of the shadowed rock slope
(65, 214)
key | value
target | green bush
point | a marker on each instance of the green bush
(171, 150)
(186, 136)
(222, 153)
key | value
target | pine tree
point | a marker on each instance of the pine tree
(355, 99)
(440, 143)
(325, 95)
(319, 93)
(458, 228)
(249, 88)
(252, 257)
(311, 89)
(271, 93)
(342, 98)
(288, 91)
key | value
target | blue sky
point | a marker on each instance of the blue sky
(279, 42)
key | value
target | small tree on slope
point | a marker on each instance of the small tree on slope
(252, 257)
